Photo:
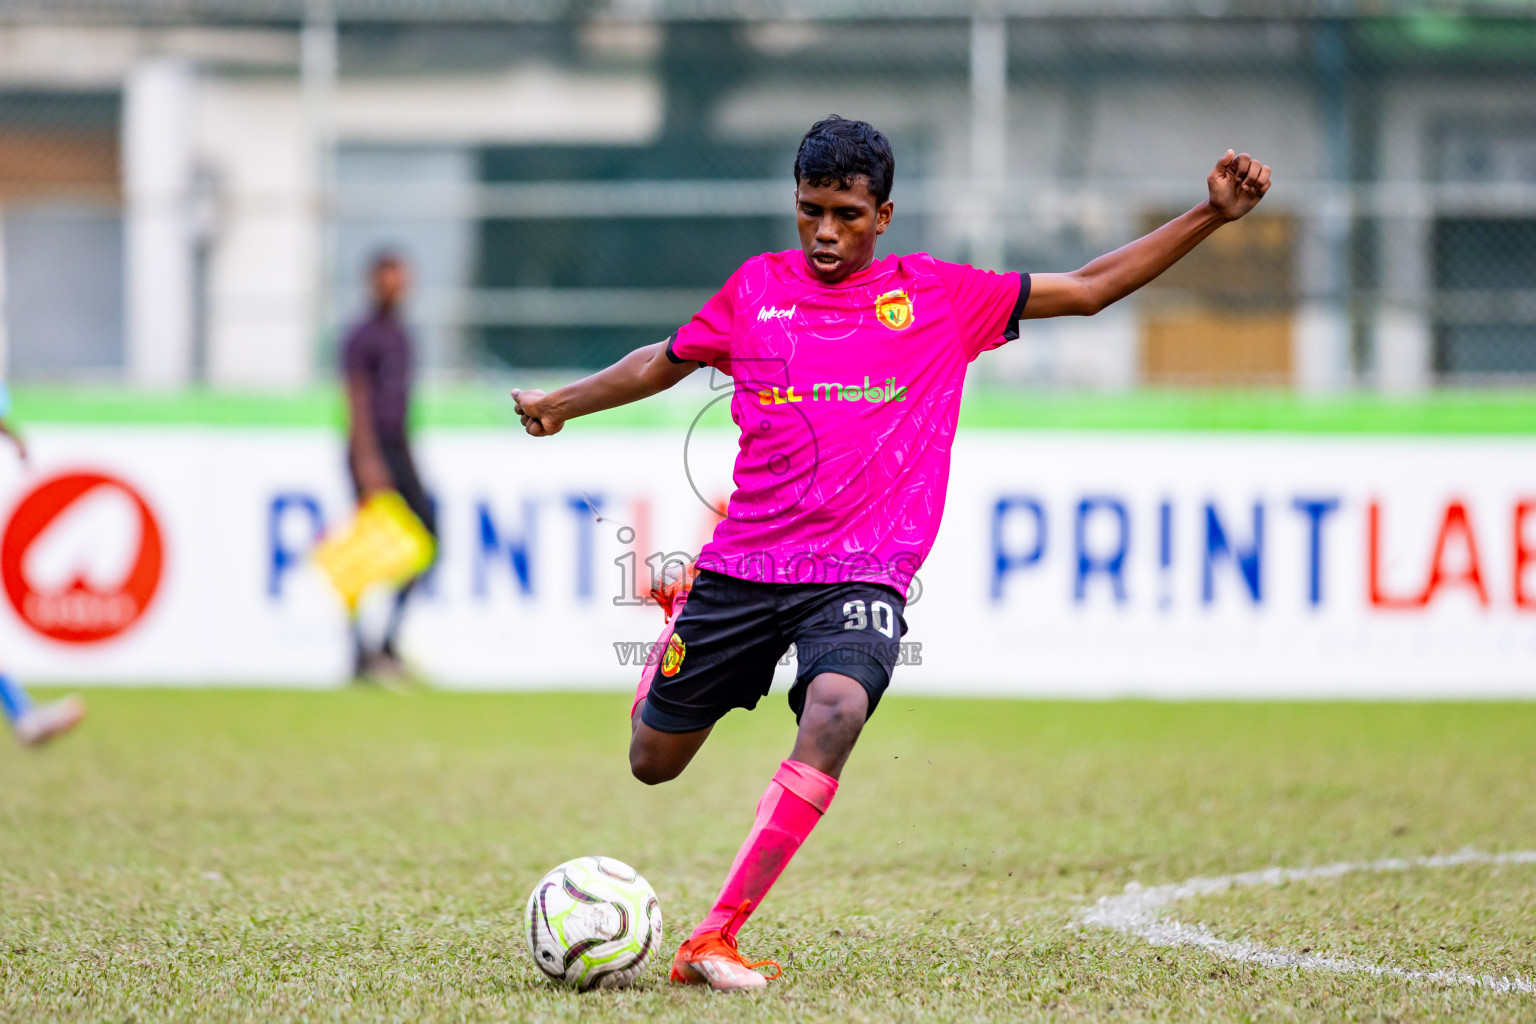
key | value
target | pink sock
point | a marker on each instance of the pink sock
(791, 806)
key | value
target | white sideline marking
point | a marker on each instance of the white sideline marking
(1139, 911)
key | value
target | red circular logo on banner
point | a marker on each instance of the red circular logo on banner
(76, 606)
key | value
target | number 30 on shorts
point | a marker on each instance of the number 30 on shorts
(883, 614)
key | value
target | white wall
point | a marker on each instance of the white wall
(528, 104)
(264, 273)
(158, 146)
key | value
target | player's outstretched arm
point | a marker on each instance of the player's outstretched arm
(1235, 186)
(641, 374)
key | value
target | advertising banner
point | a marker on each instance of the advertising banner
(1069, 564)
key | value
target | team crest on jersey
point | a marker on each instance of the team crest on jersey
(672, 660)
(894, 310)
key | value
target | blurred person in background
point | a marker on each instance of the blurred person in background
(376, 366)
(32, 724)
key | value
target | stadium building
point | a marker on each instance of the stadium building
(189, 190)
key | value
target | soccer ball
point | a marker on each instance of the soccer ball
(593, 922)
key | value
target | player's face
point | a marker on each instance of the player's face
(839, 226)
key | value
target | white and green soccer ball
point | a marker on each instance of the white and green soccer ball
(593, 922)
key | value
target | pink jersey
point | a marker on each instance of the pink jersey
(847, 397)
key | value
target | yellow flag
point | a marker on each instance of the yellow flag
(385, 543)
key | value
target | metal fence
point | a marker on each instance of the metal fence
(191, 191)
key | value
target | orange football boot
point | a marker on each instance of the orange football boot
(713, 959)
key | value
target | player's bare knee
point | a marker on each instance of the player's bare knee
(846, 720)
(650, 769)
(836, 713)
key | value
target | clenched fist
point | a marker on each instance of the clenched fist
(1237, 184)
(536, 412)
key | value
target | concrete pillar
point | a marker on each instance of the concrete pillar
(989, 138)
(319, 68)
(1400, 328)
(1320, 332)
(264, 264)
(158, 235)
(264, 141)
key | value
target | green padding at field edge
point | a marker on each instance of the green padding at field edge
(461, 405)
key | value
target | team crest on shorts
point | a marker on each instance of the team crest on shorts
(672, 660)
(894, 310)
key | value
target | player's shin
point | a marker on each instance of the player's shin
(794, 802)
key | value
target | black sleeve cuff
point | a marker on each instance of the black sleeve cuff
(1012, 333)
(672, 354)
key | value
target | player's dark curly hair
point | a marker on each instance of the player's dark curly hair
(839, 150)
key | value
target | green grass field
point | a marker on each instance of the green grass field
(361, 856)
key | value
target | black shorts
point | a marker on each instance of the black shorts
(732, 632)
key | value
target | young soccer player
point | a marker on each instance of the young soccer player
(31, 724)
(847, 374)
